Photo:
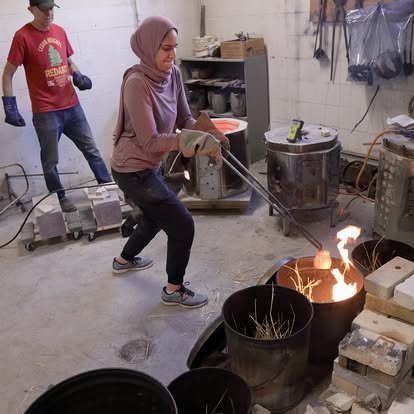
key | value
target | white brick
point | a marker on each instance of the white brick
(382, 281)
(404, 293)
(403, 405)
(382, 325)
(373, 350)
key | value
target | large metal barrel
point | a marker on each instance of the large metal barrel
(372, 254)
(106, 391)
(274, 368)
(331, 320)
(211, 390)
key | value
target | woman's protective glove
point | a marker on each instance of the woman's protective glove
(200, 143)
(13, 116)
(82, 82)
(205, 124)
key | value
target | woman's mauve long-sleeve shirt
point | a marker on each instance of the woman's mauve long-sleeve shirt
(151, 116)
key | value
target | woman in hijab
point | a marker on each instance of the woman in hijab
(152, 106)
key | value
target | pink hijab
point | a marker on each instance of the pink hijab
(145, 42)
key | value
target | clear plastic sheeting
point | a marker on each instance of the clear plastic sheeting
(379, 41)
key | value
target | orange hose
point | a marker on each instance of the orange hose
(361, 171)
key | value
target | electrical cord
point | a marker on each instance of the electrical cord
(366, 112)
(44, 198)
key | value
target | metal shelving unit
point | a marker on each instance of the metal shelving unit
(249, 75)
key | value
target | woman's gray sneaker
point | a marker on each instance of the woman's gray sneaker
(138, 263)
(183, 297)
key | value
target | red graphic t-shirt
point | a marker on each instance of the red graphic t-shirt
(44, 56)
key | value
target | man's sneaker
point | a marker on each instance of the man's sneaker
(138, 263)
(66, 205)
(183, 297)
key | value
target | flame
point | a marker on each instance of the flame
(342, 290)
(350, 232)
(186, 175)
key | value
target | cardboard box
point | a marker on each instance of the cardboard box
(240, 49)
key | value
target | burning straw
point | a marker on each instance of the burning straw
(306, 290)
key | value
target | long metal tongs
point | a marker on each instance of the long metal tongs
(267, 195)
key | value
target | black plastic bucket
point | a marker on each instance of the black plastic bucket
(106, 391)
(211, 390)
(274, 368)
(370, 255)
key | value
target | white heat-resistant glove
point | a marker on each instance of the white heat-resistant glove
(200, 143)
(205, 124)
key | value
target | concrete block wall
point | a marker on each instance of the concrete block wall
(300, 86)
(99, 33)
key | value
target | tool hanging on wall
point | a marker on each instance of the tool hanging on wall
(408, 67)
(339, 16)
(319, 53)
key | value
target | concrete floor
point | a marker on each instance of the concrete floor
(64, 312)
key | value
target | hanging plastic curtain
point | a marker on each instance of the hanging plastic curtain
(378, 41)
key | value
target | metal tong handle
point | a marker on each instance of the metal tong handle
(268, 196)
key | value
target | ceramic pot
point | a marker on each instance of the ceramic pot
(238, 103)
(219, 103)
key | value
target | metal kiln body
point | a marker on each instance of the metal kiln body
(304, 174)
(394, 198)
(209, 183)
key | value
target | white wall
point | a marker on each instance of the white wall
(99, 31)
(299, 85)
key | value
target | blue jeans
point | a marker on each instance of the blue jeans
(72, 122)
(162, 210)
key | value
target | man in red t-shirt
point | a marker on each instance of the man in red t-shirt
(45, 53)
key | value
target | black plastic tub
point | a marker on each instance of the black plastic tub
(106, 391)
(208, 390)
(274, 368)
(372, 254)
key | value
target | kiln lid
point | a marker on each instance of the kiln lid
(314, 138)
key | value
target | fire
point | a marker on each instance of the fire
(342, 290)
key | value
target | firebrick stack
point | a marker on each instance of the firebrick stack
(377, 356)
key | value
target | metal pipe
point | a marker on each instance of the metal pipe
(26, 190)
(39, 174)
(268, 196)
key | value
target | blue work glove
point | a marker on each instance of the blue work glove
(13, 116)
(82, 82)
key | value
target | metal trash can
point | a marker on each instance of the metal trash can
(106, 391)
(274, 368)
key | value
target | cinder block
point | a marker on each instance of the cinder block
(372, 350)
(404, 293)
(346, 386)
(389, 307)
(386, 394)
(49, 217)
(27, 235)
(108, 211)
(382, 281)
(387, 327)
(362, 408)
(342, 401)
(73, 221)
